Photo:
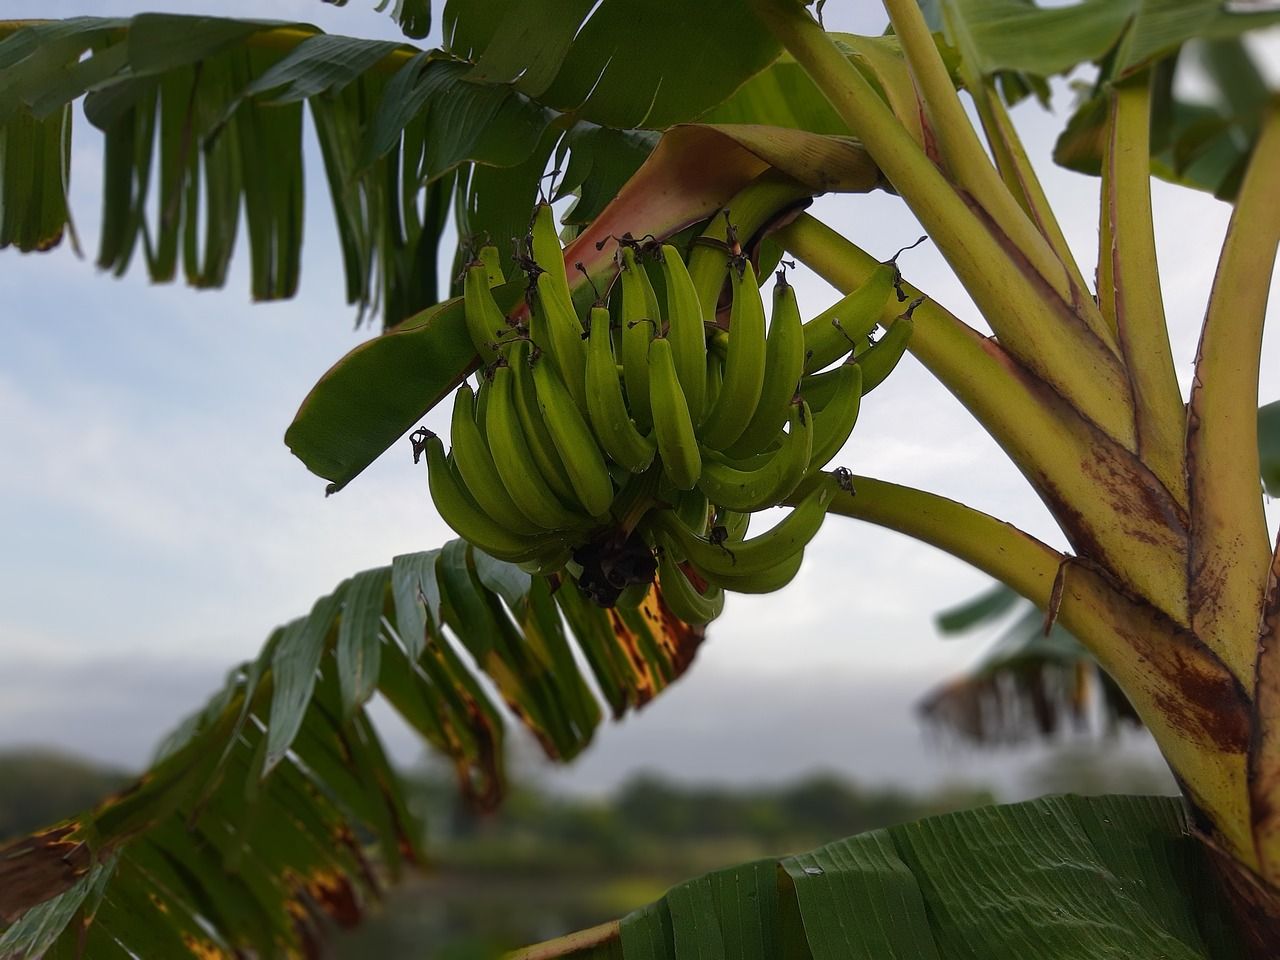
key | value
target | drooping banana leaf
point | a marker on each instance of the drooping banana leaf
(203, 117)
(1027, 684)
(1061, 878)
(273, 810)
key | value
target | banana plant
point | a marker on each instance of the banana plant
(1171, 583)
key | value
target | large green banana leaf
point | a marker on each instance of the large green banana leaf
(1029, 684)
(200, 114)
(274, 808)
(1061, 878)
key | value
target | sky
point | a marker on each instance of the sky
(154, 527)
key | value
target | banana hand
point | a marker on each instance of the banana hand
(684, 599)
(471, 523)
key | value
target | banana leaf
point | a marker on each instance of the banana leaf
(273, 812)
(1060, 878)
(200, 113)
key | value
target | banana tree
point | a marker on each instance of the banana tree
(1171, 585)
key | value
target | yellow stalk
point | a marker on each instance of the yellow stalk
(1229, 547)
(1131, 290)
(1110, 506)
(1030, 318)
(961, 152)
(1016, 169)
(569, 944)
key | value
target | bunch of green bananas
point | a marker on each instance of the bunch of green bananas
(639, 442)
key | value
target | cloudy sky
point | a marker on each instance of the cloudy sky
(155, 527)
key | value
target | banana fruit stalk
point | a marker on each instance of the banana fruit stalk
(636, 442)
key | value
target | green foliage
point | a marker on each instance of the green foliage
(1115, 877)
(260, 818)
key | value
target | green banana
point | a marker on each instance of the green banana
(747, 558)
(684, 599)
(672, 425)
(743, 368)
(544, 246)
(784, 363)
(639, 324)
(763, 581)
(514, 461)
(492, 261)
(543, 448)
(606, 405)
(557, 331)
(467, 519)
(834, 422)
(475, 465)
(878, 360)
(838, 329)
(770, 483)
(573, 439)
(685, 330)
(485, 320)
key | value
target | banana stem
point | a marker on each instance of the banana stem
(1033, 322)
(1020, 176)
(997, 548)
(961, 151)
(1228, 525)
(570, 944)
(1131, 296)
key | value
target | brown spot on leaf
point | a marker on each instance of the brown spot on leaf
(333, 893)
(39, 867)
